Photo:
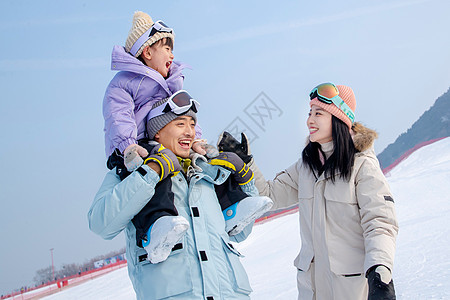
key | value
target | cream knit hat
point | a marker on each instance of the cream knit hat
(141, 23)
(347, 95)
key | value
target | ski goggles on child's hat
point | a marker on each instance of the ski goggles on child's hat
(159, 26)
(179, 103)
(328, 93)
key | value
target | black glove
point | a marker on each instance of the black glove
(381, 286)
(165, 158)
(228, 143)
(231, 161)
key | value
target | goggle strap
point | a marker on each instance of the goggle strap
(157, 111)
(140, 41)
(344, 108)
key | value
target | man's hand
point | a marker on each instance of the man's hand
(228, 143)
(232, 162)
(380, 282)
(167, 161)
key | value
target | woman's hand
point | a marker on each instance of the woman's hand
(380, 282)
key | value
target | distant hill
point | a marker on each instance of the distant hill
(433, 124)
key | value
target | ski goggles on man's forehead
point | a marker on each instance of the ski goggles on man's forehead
(179, 103)
(328, 93)
(159, 26)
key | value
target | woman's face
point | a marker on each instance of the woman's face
(319, 125)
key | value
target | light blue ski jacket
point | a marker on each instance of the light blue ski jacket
(207, 266)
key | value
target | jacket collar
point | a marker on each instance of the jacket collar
(363, 137)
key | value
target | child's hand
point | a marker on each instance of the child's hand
(133, 157)
(199, 147)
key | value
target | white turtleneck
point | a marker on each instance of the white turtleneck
(327, 148)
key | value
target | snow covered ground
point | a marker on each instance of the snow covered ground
(421, 188)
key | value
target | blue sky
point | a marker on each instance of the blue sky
(55, 66)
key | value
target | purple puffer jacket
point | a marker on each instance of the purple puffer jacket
(129, 98)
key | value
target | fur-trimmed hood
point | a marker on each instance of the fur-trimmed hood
(363, 137)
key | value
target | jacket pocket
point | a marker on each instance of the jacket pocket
(341, 205)
(237, 274)
(340, 191)
(165, 279)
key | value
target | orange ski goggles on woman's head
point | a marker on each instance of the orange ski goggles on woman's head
(328, 93)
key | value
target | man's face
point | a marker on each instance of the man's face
(178, 136)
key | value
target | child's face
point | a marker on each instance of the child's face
(161, 58)
(319, 124)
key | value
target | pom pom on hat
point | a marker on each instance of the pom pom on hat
(347, 95)
(141, 23)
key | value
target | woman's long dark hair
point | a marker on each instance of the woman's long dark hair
(342, 158)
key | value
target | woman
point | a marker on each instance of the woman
(347, 220)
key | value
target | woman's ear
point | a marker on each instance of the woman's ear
(156, 138)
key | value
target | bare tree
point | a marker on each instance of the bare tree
(43, 275)
(68, 270)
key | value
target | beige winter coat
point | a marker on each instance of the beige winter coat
(346, 227)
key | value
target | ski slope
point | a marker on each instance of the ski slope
(421, 188)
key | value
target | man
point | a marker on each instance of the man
(203, 264)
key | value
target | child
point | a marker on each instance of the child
(148, 75)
